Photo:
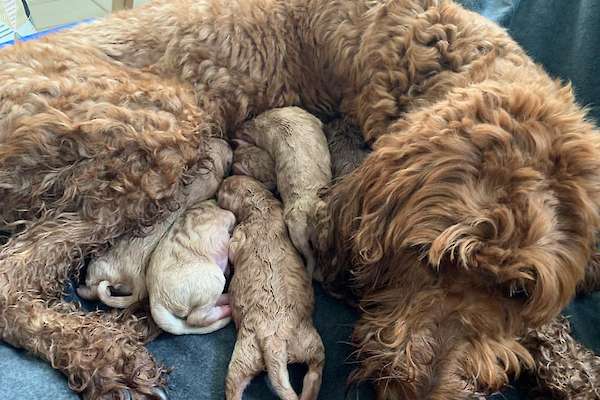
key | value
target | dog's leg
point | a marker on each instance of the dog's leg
(246, 362)
(101, 357)
(563, 366)
(420, 346)
(406, 364)
(309, 350)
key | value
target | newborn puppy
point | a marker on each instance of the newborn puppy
(253, 161)
(271, 295)
(117, 278)
(346, 146)
(295, 141)
(185, 277)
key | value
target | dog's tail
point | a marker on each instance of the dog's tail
(177, 326)
(276, 359)
(105, 296)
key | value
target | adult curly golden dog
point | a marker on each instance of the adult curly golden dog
(471, 221)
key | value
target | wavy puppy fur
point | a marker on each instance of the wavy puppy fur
(296, 142)
(481, 193)
(271, 296)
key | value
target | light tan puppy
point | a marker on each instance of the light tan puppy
(271, 295)
(186, 274)
(117, 278)
(251, 160)
(296, 142)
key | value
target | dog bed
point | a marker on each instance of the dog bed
(562, 35)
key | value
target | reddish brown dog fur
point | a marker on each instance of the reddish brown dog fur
(471, 221)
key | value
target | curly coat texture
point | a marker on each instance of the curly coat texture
(470, 222)
(563, 369)
(89, 151)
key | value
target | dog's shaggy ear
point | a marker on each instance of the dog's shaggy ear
(501, 185)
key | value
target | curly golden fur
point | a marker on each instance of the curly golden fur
(122, 269)
(470, 222)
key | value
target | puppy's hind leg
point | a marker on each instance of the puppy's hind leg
(204, 317)
(246, 362)
(275, 352)
(309, 350)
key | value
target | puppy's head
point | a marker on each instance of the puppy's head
(253, 161)
(498, 187)
(220, 155)
(242, 195)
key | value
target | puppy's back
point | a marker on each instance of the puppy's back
(266, 263)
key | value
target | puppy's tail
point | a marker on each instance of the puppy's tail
(177, 326)
(275, 353)
(114, 301)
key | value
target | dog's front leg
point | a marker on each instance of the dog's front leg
(102, 356)
(426, 345)
(563, 367)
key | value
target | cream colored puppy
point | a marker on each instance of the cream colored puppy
(186, 274)
(117, 278)
(295, 141)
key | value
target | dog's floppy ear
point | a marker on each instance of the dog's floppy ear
(460, 242)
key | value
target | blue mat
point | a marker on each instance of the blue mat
(563, 36)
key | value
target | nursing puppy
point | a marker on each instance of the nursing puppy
(117, 278)
(296, 142)
(185, 276)
(271, 295)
